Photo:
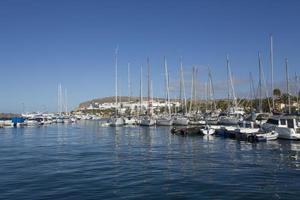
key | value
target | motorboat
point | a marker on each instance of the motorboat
(286, 127)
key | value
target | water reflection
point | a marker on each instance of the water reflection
(133, 162)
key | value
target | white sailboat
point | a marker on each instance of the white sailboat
(148, 119)
(181, 120)
(166, 119)
(116, 120)
(234, 113)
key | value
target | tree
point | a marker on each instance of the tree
(277, 92)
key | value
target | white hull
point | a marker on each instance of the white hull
(287, 133)
(208, 131)
(269, 136)
(147, 121)
(247, 130)
(228, 121)
(116, 122)
(164, 122)
(181, 121)
(32, 123)
(131, 121)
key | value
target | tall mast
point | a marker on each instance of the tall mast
(206, 95)
(167, 84)
(141, 89)
(250, 90)
(212, 90)
(287, 85)
(192, 90)
(180, 88)
(260, 84)
(228, 76)
(183, 85)
(59, 99)
(149, 86)
(66, 101)
(272, 72)
(116, 77)
(195, 86)
(297, 90)
(129, 84)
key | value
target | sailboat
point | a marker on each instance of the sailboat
(116, 120)
(129, 120)
(147, 120)
(166, 119)
(181, 120)
(234, 112)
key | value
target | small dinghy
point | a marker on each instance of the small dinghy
(207, 130)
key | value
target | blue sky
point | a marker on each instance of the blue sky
(43, 43)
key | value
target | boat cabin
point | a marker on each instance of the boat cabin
(283, 121)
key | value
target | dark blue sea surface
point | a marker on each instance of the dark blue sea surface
(87, 161)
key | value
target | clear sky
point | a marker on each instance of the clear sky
(44, 43)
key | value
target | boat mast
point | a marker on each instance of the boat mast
(183, 85)
(195, 91)
(212, 90)
(59, 99)
(259, 84)
(228, 88)
(250, 90)
(206, 96)
(129, 84)
(149, 87)
(272, 72)
(287, 85)
(192, 90)
(297, 90)
(66, 101)
(116, 79)
(167, 85)
(141, 89)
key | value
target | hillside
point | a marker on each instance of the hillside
(111, 100)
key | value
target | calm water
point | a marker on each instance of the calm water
(86, 161)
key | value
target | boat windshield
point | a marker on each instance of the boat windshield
(272, 121)
(290, 123)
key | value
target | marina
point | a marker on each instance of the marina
(144, 162)
(147, 100)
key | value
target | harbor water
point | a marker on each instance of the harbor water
(87, 161)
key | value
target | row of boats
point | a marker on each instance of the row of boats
(263, 126)
(37, 120)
